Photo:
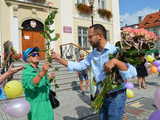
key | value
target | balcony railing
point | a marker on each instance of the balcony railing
(71, 51)
(36, 1)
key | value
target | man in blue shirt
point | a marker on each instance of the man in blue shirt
(114, 104)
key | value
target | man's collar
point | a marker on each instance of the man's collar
(107, 46)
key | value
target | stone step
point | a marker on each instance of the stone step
(59, 75)
(65, 80)
(54, 63)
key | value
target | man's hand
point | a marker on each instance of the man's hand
(58, 58)
(55, 55)
(115, 62)
(109, 65)
(13, 70)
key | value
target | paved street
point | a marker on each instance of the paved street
(140, 107)
(75, 106)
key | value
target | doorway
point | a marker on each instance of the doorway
(31, 36)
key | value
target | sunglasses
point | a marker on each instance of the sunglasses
(34, 54)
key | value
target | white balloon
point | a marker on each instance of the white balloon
(17, 107)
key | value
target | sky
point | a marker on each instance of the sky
(131, 9)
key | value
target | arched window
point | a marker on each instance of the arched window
(33, 25)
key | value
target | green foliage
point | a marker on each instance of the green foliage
(47, 33)
(106, 86)
(57, 68)
(132, 55)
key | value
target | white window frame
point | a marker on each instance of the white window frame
(108, 35)
(83, 38)
(82, 1)
(102, 4)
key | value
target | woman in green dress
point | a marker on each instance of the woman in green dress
(36, 86)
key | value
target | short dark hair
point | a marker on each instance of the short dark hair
(99, 29)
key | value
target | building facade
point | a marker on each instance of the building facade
(21, 21)
(77, 21)
(151, 22)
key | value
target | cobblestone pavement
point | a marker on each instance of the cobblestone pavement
(75, 106)
(141, 106)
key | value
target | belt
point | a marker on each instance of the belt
(115, 93)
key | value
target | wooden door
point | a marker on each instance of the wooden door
(32, 39)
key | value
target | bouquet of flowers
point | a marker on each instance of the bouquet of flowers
(134, 43)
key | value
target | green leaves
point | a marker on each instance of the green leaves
(49, 58)
(49, 21)
(56, 68)
(106, 86)
(50, 18)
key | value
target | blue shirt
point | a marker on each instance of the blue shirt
(96, 60)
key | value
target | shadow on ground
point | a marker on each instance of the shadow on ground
(85, 98)
(83, 113)
(153, 83)
(136, 110)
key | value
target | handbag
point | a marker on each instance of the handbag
(54, 101)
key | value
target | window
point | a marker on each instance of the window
(82, 1)
(107, 35)
(156, 30)
(82, 38)
(101, 4)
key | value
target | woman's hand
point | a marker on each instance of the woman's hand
(13, 70)
(55, 55)
(45, 67)
(42, 73)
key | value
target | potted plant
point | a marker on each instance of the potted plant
(105, 13)
(83, 8)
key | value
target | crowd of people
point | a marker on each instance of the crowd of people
(37, 85)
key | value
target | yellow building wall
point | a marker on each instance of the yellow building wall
(5, 21)
(22, 13)
(85, 20)
(87, 23)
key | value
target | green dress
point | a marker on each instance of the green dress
(37, 95)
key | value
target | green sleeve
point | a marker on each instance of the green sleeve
(27, 77)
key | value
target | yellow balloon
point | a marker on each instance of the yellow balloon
(13, 89)
(149, 58)
(130, 93)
